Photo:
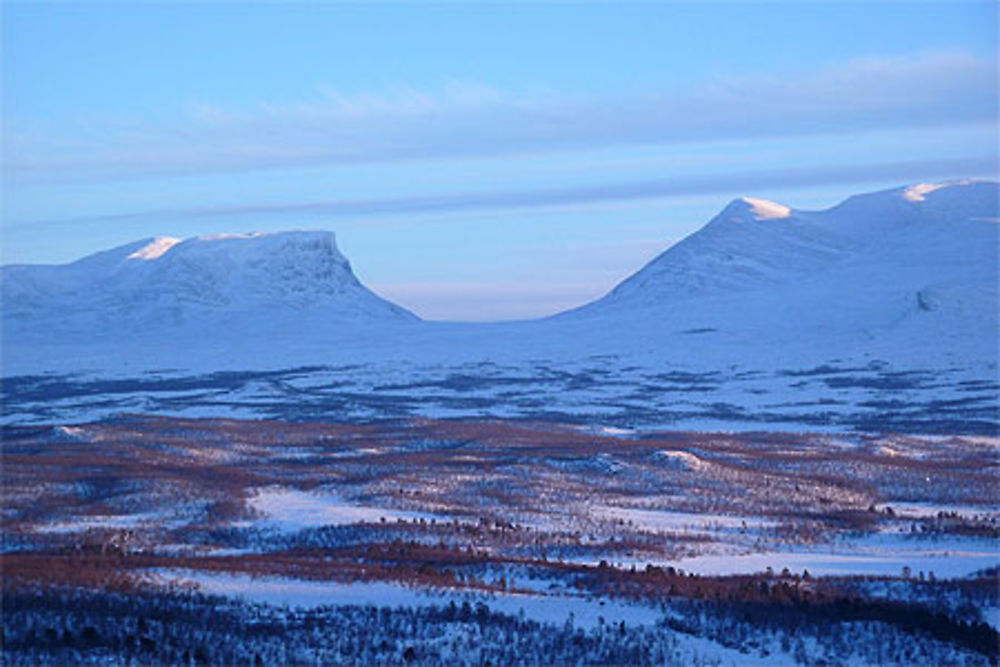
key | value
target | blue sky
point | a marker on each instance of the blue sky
(477, 161)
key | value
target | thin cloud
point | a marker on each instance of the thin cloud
(474, 120)
(748, 183)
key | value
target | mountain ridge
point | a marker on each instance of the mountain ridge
(880, 313)
(754, 245)
(753, 251)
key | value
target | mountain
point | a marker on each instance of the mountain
(918, 260)
(880, 313)
(915, 265)
(250, 284)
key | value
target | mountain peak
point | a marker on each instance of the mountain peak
(749, 209)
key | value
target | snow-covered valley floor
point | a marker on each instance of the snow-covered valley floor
(864, 395)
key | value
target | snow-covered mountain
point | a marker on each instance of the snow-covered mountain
(918, 260)
(287, 281)
(879, 313)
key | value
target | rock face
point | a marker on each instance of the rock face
(274, 281)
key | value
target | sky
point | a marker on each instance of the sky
(477, 161)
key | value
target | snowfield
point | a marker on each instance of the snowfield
(291, 510)
(556, 609)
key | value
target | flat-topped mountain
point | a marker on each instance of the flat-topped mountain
(254, 279)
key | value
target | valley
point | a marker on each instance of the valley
(610, 390)
(777, 443)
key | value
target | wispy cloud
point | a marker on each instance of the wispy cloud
(474, 120)
(749, 182)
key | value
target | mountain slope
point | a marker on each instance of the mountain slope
(264, 282)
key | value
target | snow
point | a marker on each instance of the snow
(677, 522)
(789, 319)
(761, 209)
(224, 237)
(156, 248)
(587, 612)
(877, 555)
(269, 284)
(584, 613)
(681, 460)
(907, 510)
(81, 525)
(291, 510)
(767, 318)
(817, 270)
(919, 192)
(705, 650)
(992, 616)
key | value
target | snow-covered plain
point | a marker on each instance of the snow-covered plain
(577, 611)
(884, 557)
(585, 613)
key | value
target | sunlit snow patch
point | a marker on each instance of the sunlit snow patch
(291, 510)
(157, 248)
(767, 210)
(917, 192)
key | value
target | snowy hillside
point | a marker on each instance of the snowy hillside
(266, 282)
(879, 313)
